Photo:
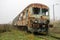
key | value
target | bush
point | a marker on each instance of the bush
(5, 27)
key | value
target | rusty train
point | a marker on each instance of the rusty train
(34, 18)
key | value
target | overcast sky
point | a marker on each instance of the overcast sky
(9, 9)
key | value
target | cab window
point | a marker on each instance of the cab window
(45, 11)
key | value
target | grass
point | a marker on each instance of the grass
(21, 35)
(18, 35)
(8, 32)
(11, 33)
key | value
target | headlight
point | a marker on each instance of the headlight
(36, 21)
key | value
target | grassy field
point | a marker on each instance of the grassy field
(21, 35)
(8, 32)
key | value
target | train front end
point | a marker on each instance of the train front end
(39, 20)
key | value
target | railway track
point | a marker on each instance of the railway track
(48, 37)
(56, 37)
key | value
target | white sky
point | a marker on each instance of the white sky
(9, 9)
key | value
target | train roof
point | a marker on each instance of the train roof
(38, 5)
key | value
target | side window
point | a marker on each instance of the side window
(21, 16)
(26, 13)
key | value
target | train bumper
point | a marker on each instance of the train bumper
(40, 28)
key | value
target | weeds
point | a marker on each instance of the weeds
(5, 27)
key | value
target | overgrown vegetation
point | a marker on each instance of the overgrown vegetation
(8, 32)
(5, 27)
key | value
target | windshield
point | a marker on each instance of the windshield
(36, 10)
(44, 11)
(40, 11)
